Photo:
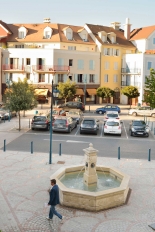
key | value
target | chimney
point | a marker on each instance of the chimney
(47, 20)
(115, 25)
(127, 29)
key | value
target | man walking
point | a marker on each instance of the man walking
(54, 200)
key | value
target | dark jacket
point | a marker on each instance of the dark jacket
(54, 195)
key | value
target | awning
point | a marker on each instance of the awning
(79, 92)
(41, 92)
(91, 91)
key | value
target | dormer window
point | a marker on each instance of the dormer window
(112, 37)
(68, 33)
(83, 34)
(22, 31)
(47, 33)
(103, 36)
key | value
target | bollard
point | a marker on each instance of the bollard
(60, 149)
(152, 126)
(119, 153)
(89, 108)
(4, 119)
(149, 156)
(29, 122)
(154, 131)
(32, 147)
(4, 148)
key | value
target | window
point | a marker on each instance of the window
(47, 34)
(19, 46)
(71, 47)
(115, 65)
(115, 78)
(103, 38)
(21, 35)
(106, 65)
(81, 64)
(117, 52)
(79, 78)
(70, 78)
(60, 78)
(91, 78)
(41, 77)
(70, 62)
(91, 65)
(108, 51)
(106, 78)
(28, 76)
(149, 65)
(69, 35)
(153, 40)
(28, 61)
(11, 77)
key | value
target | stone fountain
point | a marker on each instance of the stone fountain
(90, 186)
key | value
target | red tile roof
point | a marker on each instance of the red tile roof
(141, 33)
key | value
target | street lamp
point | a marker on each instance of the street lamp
(8, 83)
(85, 81)
(55, 93)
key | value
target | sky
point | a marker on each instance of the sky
(79, 12)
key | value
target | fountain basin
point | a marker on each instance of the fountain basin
(92, 201)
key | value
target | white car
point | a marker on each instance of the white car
(111, 115)
(113, 126)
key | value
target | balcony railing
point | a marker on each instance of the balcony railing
(50, 68)
(124, 83)
(131, 71)
(11, 67)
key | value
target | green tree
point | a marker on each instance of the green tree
(104, 92)
(67, 89)
(130, 92)
(20, 97)
(149, 91)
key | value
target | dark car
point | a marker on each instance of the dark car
(104, 109)
(72, 105)
(64, 124)
(89, 125)
(41, 122)
(139, 128)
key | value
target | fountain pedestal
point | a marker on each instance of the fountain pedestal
(90, 176)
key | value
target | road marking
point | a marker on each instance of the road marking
(72, 141)
(54, 140)
(101, 130)
(125, 130)
(77, 131)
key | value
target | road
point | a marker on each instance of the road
(74, 143)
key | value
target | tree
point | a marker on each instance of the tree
(20, 97)
(104, 92)
(67, 89)
(130, 92)
(149, 91)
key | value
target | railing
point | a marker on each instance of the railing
(124, 83)
(51, 68)
(128, 70)
(12, 67)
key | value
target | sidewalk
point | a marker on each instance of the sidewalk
(24, 180)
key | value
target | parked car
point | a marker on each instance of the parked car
(8, 113)
(106, 108)
(72, 105)
(139, 128)
(75, 114)
(64, 124)
(113, 126)
(58, 112)
(89, 125)
(111, 115)
(143, 110)
(2, 115)
(41, 122)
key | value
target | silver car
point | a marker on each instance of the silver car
(64, 124)
(111, 115)
(143, 110)
(89, 125)
(75, 114)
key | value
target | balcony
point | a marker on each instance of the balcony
(59, 69)
(13, 68)
(125, 83)
(129, 71)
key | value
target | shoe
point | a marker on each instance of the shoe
(62, 220)
(48, 218)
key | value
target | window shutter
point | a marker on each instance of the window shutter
(6, 77)
(149, 65)
(114, 52)
(96, 79)
(6, 60)
(105, 51)
(111, 51)
(82, 64)
(60, 61)
(91, 65)
(84, 78)
(35, 78)
(78, 64)
(75, 78)
(65, 77)
(55, 79)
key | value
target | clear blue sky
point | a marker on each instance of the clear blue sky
(79, 12)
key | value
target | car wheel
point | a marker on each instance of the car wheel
(75, 125)
(32, 128)
(100, 112)
(105, 133)
(153, 115)
(80, 132)
(134, 114)
(131, 133)
(96, 133)
(120, 134)
(69, 130)
(147, 135)
(48, 127)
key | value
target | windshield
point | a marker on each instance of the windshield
(55, 112)
(73, 112)
(60, 121)
(139, 123)
(112, 115)
(89, 122)
(112, 123)
(42, 118)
